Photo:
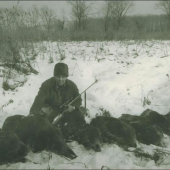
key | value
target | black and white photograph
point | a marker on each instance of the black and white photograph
(84, 84)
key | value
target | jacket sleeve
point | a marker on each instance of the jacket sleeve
(78, 102)
(39, 100)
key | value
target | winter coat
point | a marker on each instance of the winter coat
(51, 95)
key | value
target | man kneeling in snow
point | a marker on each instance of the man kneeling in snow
(55, 92)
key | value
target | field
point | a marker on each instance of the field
(132, 76)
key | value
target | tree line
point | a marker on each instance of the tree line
(20, 30)
(39, 24)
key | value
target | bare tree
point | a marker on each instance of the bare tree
(12, 18)
(62, 21)
(34, 16)
(80, 12)
(48, 17)
(119, 10)
(106, 11)
(164, 5)
(140, 22)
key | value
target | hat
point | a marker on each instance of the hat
(61, 69)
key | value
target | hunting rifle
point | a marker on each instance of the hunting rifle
(65, 104)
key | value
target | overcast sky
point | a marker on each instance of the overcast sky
(140, 7)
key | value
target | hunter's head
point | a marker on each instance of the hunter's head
(60, 73)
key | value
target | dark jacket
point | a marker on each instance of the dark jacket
(51, 95)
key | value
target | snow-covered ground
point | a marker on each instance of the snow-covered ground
(132, 76)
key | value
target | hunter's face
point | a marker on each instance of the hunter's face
(60, 80)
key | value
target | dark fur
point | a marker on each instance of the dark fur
(74, 127)
(168, 116)
(11, 123)
(145, 132)
(155, 118)
(127, 118)
(11, 148)
(39, 134)
(76, 116)
(115, 131)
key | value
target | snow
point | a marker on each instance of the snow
(132, 76)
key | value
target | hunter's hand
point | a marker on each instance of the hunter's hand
(69, 108)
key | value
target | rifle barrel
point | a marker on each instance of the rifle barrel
(81, 93)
